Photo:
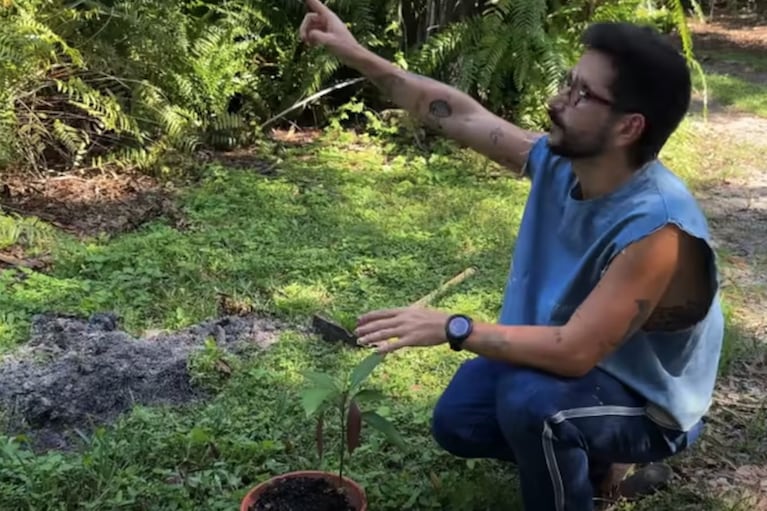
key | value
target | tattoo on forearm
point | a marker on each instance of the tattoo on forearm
(440, 109)
(496, 135)
(643, 311)
(558, 335)
(395, 87)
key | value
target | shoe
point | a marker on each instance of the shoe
(645, 481)
(641, 482)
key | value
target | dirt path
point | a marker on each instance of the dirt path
(730, 462)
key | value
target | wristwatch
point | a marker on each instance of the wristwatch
(457, 329)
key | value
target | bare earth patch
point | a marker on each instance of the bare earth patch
(88, 206)
(77, 373)
(737, 213)
(744, 33)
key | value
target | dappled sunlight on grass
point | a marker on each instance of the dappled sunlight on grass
(734, 92)
(337, 229)
(702, 156)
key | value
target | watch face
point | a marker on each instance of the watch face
(459, 327)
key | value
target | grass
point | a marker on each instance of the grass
(739, 94)
(345, 228)
(348, 225)
(736, 92)
(752, 61)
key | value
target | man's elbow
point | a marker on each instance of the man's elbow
(574, 368)
(576, 362)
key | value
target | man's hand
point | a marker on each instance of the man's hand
(412, 326)
(321, 27)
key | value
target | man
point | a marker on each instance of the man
(610, 333)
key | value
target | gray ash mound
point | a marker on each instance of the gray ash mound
(76, 373)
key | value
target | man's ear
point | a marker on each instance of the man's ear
(629, 129)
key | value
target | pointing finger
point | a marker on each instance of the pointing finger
(309, 19)
(317, 6)
(372, 326)
(378, 336)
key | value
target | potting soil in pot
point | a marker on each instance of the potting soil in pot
(302, 494)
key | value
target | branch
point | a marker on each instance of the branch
(467, 273)
(312, 98)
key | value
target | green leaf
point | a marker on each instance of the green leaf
(369, 396)
(313, 399)
(198, 436)
(384, 426)
(364, 368)
(322, 381)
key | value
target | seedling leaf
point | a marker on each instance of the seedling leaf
(353, 426)
(385, 427)
(322, 380)
(313, 399)
(369, 395)
(364, 368)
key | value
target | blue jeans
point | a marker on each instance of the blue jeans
(562, 433)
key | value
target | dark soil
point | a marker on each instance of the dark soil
(303, 494)
(78, 373)
(251, 159)
(87, 206)
(742, 33)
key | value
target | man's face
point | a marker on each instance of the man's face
(581, 115)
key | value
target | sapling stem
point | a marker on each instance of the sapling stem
(342, 443)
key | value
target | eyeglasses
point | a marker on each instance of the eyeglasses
(578, 91)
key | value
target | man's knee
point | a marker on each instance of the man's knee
(525, 400)
(446, 425)
(465, 412)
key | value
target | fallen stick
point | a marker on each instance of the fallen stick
(458, 279)
(310, 99)
(19, 263)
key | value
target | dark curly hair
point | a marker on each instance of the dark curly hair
(651, 78)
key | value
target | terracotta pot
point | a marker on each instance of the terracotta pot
(354, 491)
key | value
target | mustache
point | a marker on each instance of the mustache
(554, 117)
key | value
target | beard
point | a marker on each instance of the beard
(567, 144)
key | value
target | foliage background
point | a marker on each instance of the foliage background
(124, 83)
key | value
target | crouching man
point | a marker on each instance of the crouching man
(608, 343)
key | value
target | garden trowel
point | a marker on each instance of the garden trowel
(332, 331)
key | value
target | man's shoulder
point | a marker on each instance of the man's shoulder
(542, 161)
(672, 193)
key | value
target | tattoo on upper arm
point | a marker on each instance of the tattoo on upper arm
(643, 312)
(496, 135)
(677, 317)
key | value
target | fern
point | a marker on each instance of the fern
(680, 19)
(124, 82)
(500, 56)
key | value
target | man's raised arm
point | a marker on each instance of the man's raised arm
(439, 106)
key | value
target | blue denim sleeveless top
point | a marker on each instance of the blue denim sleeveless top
(564, 246)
